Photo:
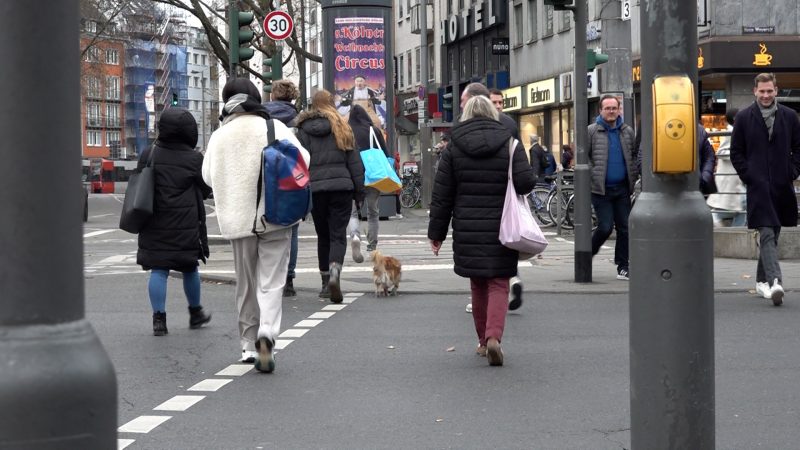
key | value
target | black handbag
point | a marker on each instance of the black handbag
(138, 205)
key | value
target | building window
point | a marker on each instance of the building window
(92, 55)
(112, 115)
(451, 74)
(93, 88)
(417, 66)
(112, 56)
(93, 114)
(195, 58)
(312, 17)
(400, 15)
(203, 60)
(488, 58)
(400, 72)
(408, 8)
(91, 26)
(112, 137)
(533, 23)
(94, 138)
(431, 65)
(566, 19)
(548, 20)
(409, 68)
(312, 44)
(464, 65)
(112, 88)
(518, 20)
(476, 61)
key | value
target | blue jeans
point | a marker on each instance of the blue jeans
(157, 288)
(293, 252)
(613, 210)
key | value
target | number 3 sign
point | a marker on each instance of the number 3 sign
(278, 25)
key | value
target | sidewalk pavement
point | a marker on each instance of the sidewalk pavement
(553, 272)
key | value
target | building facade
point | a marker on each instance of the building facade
(203, 94)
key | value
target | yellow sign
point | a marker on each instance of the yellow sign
(541, 92)
(700, 60)
(512, 99)
(762, 57)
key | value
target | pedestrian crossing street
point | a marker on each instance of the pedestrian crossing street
(412, 249)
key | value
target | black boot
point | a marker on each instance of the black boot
(288, 288)
(333, 284)
(325, 292)
(198, 317)
(160, 324)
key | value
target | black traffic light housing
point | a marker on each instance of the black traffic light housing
(560, 5)
(593, 59)
(174, 99)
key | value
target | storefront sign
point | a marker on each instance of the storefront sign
(512, 99)
(758, 30)
(473, 19)
(757, 55)
(540, 93)
(500, 46)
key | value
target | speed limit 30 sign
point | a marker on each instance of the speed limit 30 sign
(278, 25)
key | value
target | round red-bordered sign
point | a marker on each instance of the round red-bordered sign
(278, 25)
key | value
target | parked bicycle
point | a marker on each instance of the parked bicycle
(411, 193)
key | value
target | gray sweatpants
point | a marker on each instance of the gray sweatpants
(371, 198)
(768, 267)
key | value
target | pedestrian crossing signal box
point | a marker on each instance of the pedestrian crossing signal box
(674, 125)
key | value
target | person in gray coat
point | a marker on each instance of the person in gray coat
(614, 170)
(765, 151)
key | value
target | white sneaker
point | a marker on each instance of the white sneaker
(515, 294)
(355, 246)
(762, 289)
(776, 293)
(249, 356)
(469, 307)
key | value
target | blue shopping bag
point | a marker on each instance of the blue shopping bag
(378, 173)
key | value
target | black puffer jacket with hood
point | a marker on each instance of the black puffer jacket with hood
(331, 168)
(361, 123)
(175, 237)
(470, 187)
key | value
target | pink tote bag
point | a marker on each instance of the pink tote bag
(518, 229)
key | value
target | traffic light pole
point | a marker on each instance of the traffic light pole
(583, 191)
(672, 266)
(57, 385)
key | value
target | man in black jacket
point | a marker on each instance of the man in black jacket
(474, 90)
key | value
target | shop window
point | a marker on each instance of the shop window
(476, 61)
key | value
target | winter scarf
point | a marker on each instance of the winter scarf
(242, 103)
(769, 116)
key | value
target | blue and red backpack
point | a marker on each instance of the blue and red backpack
(286, 182)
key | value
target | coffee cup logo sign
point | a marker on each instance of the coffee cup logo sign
(762, 58)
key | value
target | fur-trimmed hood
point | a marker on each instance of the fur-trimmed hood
(314, 123)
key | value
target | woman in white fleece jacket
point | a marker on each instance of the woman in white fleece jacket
(231, 167)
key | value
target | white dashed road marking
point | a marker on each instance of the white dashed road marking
(210, 385)
(143, 424)
(180, 403)
(98, 233)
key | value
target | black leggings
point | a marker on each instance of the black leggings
(331, 213)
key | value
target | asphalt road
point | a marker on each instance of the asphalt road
(402, 373)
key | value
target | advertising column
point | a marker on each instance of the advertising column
(358, 52)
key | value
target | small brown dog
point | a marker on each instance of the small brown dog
(385, 273)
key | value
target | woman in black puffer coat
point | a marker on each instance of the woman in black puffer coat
(175, 237)
(470, 188)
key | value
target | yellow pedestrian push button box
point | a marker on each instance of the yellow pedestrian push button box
(674, 125)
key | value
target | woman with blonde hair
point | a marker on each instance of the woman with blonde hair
(337, 178)
(470, 188)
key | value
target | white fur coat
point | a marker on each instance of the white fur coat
(231, 167)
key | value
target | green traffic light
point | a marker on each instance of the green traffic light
(238, 38)
(593, 59)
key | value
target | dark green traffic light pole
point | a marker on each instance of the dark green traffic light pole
(672, 265)
(57, 384)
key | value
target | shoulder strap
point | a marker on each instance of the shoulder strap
(512, 143)
(259, 184)
(373, 140)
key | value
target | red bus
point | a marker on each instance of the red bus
(106, 176)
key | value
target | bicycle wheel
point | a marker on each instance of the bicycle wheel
(570, 215)
(537, 200)
(410, 197)
(552, 209)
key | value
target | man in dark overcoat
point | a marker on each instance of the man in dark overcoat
(765, 151)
